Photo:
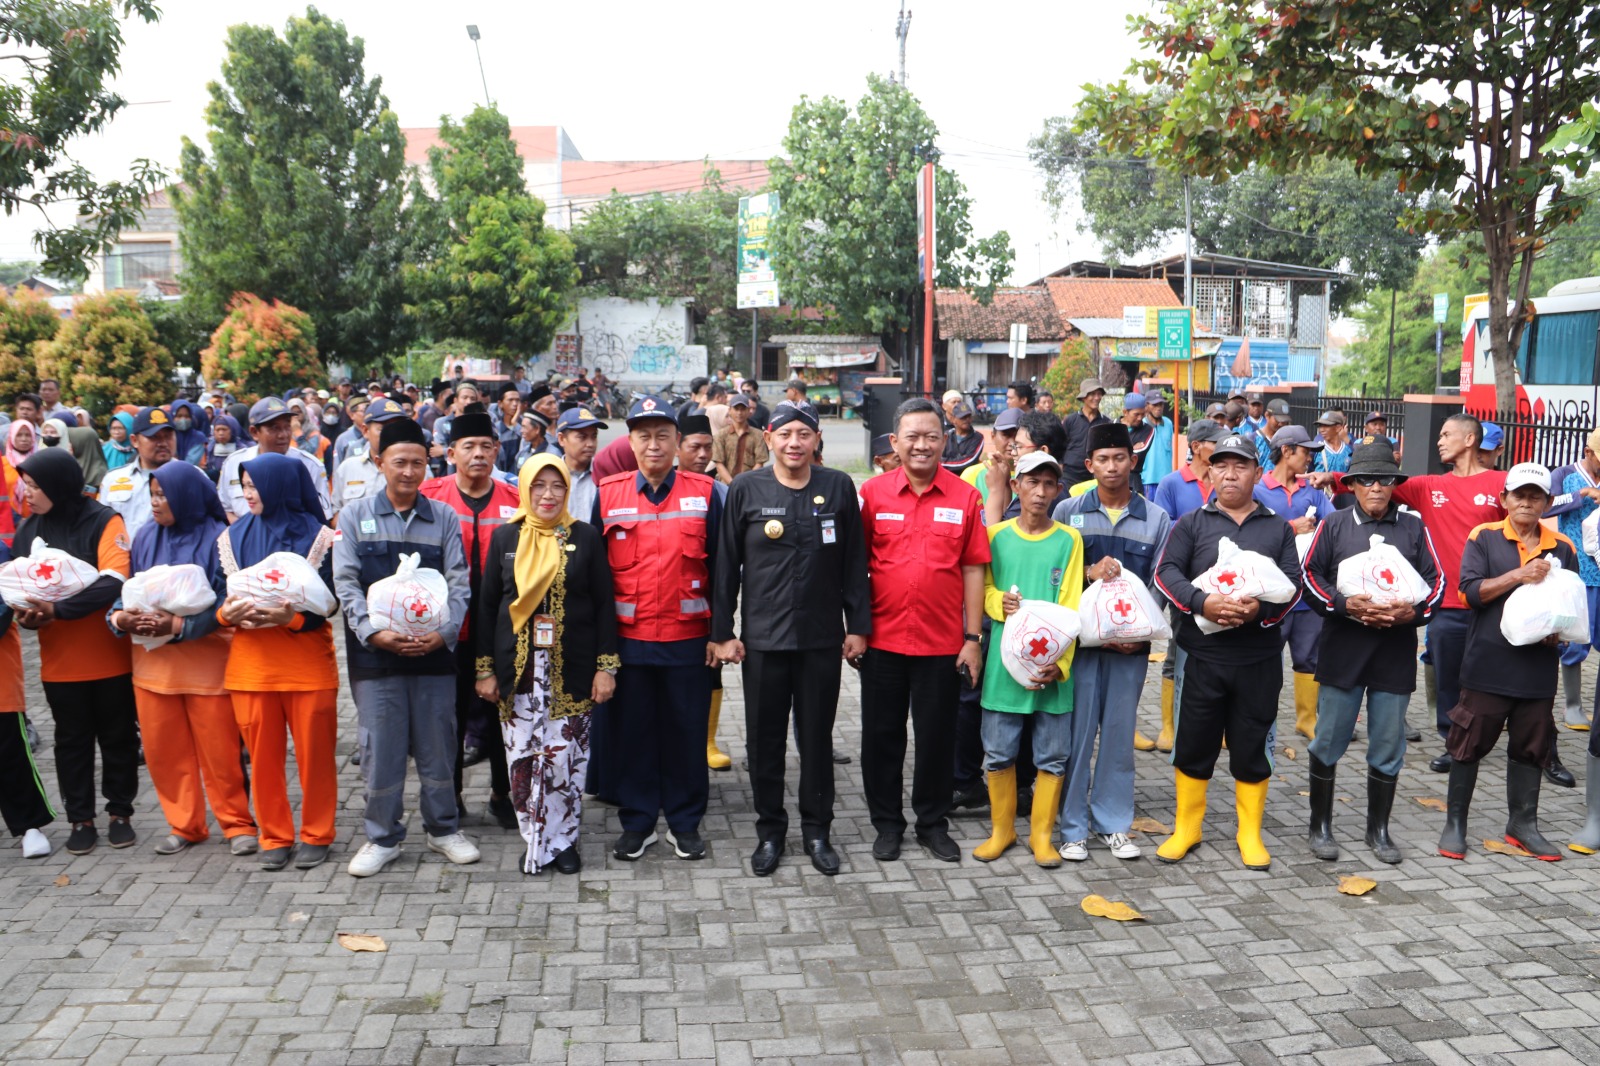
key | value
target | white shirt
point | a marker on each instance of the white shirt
(231, 493)
(126, 490)
(356, 478)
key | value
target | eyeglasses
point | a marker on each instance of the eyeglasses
(547, 490)
(1364, 480)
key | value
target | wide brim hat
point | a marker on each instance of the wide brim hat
(1375, 460)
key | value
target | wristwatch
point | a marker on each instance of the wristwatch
(972, 638)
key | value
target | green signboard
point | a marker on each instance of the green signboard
(1174, 336)
(758, 283)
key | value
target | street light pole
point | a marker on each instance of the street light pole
(472, 31)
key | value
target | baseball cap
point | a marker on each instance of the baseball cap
(384, 409)
(1376, 416)
(1155, 396)
(268, 409)
(1331, 418)
(1008, 419)
(1214, 409)
(1254, 397)
(1204, 429)
(881, 446)
(578, 418)
(1278, 408)
(649, 407)
(961, 409)
(738, 399)
(1034, 461)
(150, 421)
(1235, 395)
(1296, 436)
(1236, 446)
(1090, 385)
(1528, 474)
(1493, 437)
(1133, 402)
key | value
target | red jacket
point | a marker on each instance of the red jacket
(476, 529)
(658, 557)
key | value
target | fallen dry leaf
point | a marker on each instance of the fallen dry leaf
(1356, 886)
(1501, 847)
(1433, 803)
(362, 942)
(1288, 753)
(63, 881)
(1342, 799)
(1303, 792)
(1149, 825)
(298, 916)
(1100, 907)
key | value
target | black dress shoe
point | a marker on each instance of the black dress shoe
(568, 861)
(471, 756)
(840, 757)
(765, 858)
(975, 798)
(939, 845)
(886, 847)
(503, 812)
(1441, 763)
(1558, 774)
(823, 857)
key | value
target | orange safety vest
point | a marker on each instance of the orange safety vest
(9, 488)
(658, 556)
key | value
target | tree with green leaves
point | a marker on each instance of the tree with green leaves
(666, 247)
(302, 196)
(55, 87)
(845, 237)
(493, 271)
(1365, 369)
(1233, 83)
(1323, 215)
(107, 353)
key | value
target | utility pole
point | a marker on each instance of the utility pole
(1388, 375)
(1188, 283)
(472, 31)
(902, 30)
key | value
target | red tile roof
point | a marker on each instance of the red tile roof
(1106, 297)
(960, 316)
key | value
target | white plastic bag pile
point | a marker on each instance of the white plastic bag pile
(182, 589)
(1557, 605)
(283, 578)
(1382, 573)
(1038, 634)
(49, 575)
(413, 603)
(1120, 610)
(1240, 573)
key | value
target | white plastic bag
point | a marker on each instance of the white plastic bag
(283, 578)
(1382, 573)
(1557, 605)
(1038, 634)
(1242, 573)
(1302, 541)
(182, 589)
(1591, 534)
(414, 602)
(1120, 610)
(49, 575)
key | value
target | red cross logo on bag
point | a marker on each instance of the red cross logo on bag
(1042, 646)
(1121, 612)
(419, 610)
(1384, 578)
(1227, 581)
(274, 578)
(43, 574)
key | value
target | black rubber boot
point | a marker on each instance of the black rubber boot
(1458, 800)
(1323, 846)
(1380, 801)
(1522, 799)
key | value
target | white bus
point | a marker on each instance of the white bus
(1558, 362)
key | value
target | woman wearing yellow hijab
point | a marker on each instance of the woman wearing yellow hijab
(547, 654)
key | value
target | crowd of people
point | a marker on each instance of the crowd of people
(592, 596)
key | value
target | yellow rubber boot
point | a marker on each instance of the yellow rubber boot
(1164, 741)
(1142, 742)
(1306, 691)
(1042, 826)
(1191, 814)
(1250, 801)
(1003, 811)
(716, 758)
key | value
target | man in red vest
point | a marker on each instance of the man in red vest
(483, 503)
(660, 529)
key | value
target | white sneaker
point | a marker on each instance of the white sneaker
(1075, 850)
(35, 845)
(372, 858)
(1120, 845)
(455, 847)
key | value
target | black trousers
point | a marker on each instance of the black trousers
(23, 802)
(927, 685)
(1233, 701)
(1478, 720)
(89, 713)
(776, 682)
(470, 707)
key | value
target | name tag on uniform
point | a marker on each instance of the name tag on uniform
(507, 511)
(692, 503)
(234, 482)
(544, 631)
(369, 525)
(951, 515)
(830, 535)
(621, 511)
(779, 511)
(882, 517)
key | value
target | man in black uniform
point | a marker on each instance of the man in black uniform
(793, 540)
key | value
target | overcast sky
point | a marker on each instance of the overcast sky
(641, 79)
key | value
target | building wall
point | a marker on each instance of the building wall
(640, 343)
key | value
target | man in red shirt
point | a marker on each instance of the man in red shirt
(926, 551)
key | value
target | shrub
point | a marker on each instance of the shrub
(262, 349)
(107, 353)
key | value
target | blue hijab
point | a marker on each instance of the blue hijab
(213, 460)
(291, 515)
(191, 443)
(198, 520)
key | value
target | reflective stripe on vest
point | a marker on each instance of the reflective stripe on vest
(626, 610)
(693, 606)
(662, 517)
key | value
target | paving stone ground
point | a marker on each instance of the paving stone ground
(128, 957)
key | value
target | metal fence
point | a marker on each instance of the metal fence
(1550, 440)
(1355, 408)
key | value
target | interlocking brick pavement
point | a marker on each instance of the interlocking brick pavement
(203, 958)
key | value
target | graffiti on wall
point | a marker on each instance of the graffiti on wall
(634, 341)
